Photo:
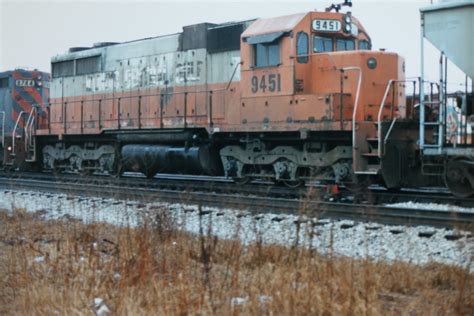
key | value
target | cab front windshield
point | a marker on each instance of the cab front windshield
(326, 44)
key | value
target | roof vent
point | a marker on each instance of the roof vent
(103, 44)
(77, 49)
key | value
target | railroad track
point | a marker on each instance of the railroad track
(374, 196)
(308, 204)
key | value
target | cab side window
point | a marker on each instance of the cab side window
(302, 47)
(3, 83)
(267, 54)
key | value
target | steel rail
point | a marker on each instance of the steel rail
(374, 195)
(255, 204)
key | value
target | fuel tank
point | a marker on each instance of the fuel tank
(153, 159)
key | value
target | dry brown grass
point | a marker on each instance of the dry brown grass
(158, 270)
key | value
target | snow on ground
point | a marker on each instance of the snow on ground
(101, 308)
(418, 245)
(432, 207)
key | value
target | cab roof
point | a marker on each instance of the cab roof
(274, 25)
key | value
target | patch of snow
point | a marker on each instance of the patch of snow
(98, 301)
(39, 259)
(235, 301)
(432, 207)
(263, 299)
(101, 308)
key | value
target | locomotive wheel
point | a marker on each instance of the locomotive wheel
(293, 184)
(150, 175)
(56, 171)
(359, 185)
(86, 172)
(241, 180)
(359, 188)
(458, 178)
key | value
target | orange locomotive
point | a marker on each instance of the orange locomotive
(289, 98)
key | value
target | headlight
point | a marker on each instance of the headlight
(347, 28)
(347, 19)
(372, 63)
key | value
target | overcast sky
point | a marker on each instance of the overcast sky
(33, 31)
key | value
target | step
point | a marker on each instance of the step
(373, 172)
(373, 168)
(370, 155)
(423, 166)
(372, 139)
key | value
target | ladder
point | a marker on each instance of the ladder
(437, 127)
(441, 106)
(438, 124)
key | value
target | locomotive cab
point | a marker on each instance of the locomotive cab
(315, 74)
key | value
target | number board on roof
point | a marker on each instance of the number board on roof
(25, 83)
(327, 25)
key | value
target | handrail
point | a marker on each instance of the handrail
(389, 131)
(379, 118)
(381, 108)
(29, 127)
(2, 113)
(30, 116)
(15, 128)
(426, 102)
(356, 102)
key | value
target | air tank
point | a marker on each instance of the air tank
(152, 159)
